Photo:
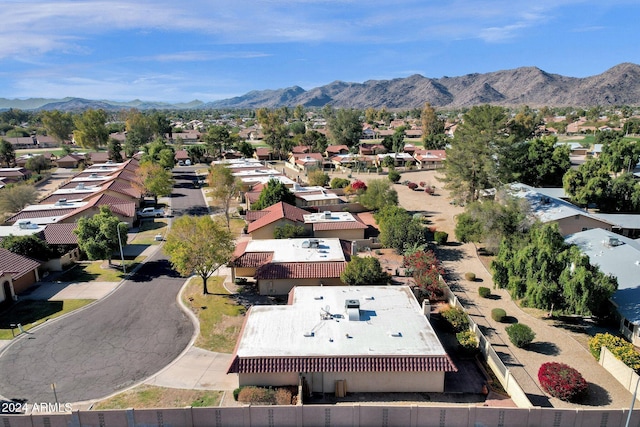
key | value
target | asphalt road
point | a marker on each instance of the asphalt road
(119, 341)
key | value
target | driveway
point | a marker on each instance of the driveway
(121, 340)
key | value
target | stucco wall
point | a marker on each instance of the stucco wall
(572, 224)
(283, 286)
(340, 234)
(23, 283)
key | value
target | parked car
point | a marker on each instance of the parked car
(151, 213)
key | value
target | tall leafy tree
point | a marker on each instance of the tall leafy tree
(160, 152)
(114, 149)
(479, 139)
(98, 235)
(30, 246)
(364, 271)
(140, 130)
(398, 229)
(7, 153)
(199, 245)
(540, 162)
(224, 187)
(345, 127)
(37, 163)
(274, 192)
(276, 133)
(59, 125)
(433, 137)
(91, 131)
(154, 180)
(217, 139)
(379, 193)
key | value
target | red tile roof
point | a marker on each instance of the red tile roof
(339, 225)
(251, 216)
(40, 214)
(337, 149)
(277, 212)
(301, 149)
(342, 364)
(300, 270)
(60, 234)
(16, 265)
(252, 259)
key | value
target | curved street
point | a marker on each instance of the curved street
(123, 339)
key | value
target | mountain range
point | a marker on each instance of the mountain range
(619, 85)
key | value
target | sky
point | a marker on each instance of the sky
(179, 51)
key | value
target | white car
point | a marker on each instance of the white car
(151, 213)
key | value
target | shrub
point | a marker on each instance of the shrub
(456, 318)
(283, 396)
(470, 276)
(412, 185)
(256, 395)
(359, 186)
(236, 393)
(562, 381)
(520, 334)
(468, 341)
(621, 349)
(429, 190)
(498, 314)
(339, 183)
(394, 176)
(441, 237)
(484, 292)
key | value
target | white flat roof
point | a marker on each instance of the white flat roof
(264, 179)
(16, 230)
(239, 163)
(298, 250)
(315, 218)
(390, 323)
(87, 189)
(257, 172)
(57, 205)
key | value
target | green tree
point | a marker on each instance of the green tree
(7, 153)
(140, 130)
(398, 229)
(15, 197)
(37, 163)
(318, 178)
(91, 131)
(539, 162)
(364, 271)
(217, 139)
(29, 246)
(199, 245)
(153, 180)
(433, 137)
(224, 187)
(98, 235)
(59, 125)
(161, 153)
(197, 153)
(276, 134)
(478, 141)
(345, 127)
(378, 194)
(114, 149)
(274, 192)
(289, 231)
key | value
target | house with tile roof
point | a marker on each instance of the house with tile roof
(429, 159)
(70, 161)
(277, 265)
(263, 223)
(339, 338)
(333, 150)
(617, 256)
(342, 225)
(7, 294)
(263, 154)
(306, 162)
(13, 175)
(23, 270)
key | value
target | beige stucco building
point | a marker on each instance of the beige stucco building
(347, 338)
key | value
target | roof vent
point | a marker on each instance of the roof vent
(353, 309)
(26, 225)
(309, 334)
(80, 186)
(327, 214)
(61, 202)
(93, 175)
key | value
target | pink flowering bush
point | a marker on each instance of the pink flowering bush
(562, 381)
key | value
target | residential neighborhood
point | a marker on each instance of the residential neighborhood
(325, 275)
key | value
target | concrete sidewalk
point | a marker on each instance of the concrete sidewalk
(70, 290)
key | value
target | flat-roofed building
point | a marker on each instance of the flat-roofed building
(278, 265)
(341, 225)
(357, 338)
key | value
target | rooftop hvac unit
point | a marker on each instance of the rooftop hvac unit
(80, 186)
(327, 214)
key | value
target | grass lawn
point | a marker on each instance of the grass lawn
(220, 316)
(146, 396)
(94, 271)
(31, 313)
(148, 230)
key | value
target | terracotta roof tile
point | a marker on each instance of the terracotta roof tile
(339, 225)
(300, 270)
(342, 364)
(16, 265)
(280, 210)
(252, 259)
(60, 234)
(40, 214)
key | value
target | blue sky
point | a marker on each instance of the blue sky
(210, 49)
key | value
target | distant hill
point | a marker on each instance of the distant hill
(532, 86)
